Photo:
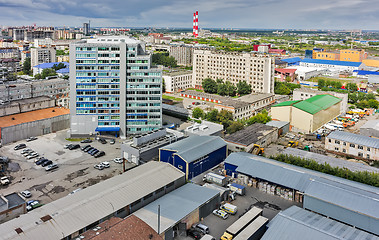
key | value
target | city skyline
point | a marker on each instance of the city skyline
(272, 14)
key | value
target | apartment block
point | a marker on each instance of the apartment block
(183, 54)
(254, 68)
(9, 53)
(42, 55)
(114, 88)
(177, 81)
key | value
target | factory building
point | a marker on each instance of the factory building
(331, 64)
(307, 115)
(194, 155)
(179, 210)
(350, 202)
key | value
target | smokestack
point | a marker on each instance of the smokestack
(194, 25)
(197, 24)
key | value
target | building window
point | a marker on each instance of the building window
(352, 145)
(368, 155)
(330, 140)
(344, 150)
(337, 142)
(368, 149)
(337, 149)
(360, 147)
(344, 143)
(360, 154)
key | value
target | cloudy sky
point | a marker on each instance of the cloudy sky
(273, 14)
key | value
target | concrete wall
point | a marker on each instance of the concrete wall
(282, 113)
(19, 107)
(36, 128)
(325, 116)
(12, 213)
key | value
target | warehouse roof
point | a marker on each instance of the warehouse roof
(50, 65)
(354, 138)
(175, 206)
(317, 103)
(19, 118)
(74, 212)
(250, 134)
(362, 72)
(286, 103)
(294, 223)
(277, 124)
(332, 62)
(372, 124)
(195, 147)
(292, 60)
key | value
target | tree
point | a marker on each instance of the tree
(231, 89)
(26, 66)
(58, 66)
(353, 98)
(261, 117)
(235, 127)
(351, 87)
(46, 73)
(243, 88)
(370, 96)
(209, 85)
(198, 113)
(212, 115)
(225, 118)
(282, 89)
(163, 86)
(222, 89)
(373, 103)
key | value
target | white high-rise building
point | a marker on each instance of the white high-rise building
(113, 87)
(254, 68)
(42, 55)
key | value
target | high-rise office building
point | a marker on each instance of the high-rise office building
(254, 68)
(113, 87)
(86, 29)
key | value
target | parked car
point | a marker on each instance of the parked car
(99, 166)
(86, 141)
(39, 158)
(26, 194)
(118, 160)
(33, 155)
(31, 139)
(85, 147)
(20, 146)
(4, 180)
(94, 152)
(26, 150)
(39, 162)
(67, 145)
(47, 163)
(99, 154)
(74, 146)
(33, 204)
(27, 153)
(102, 140)
(112, 141)
(106, 164)
(75, 191)
(220, 213)
(201, 228)
(194, 233)
(51, 167)
(88, 149)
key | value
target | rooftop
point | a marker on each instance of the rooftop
(195, 147)
(50, 65)
(176, 73)
(354, 138)
(317, 103)
(295, 223)
(205, 128)
(15, 119)
(14, 200)
(277, 124)
(113, 40)
(373, 124)
(175, 206)
(74, 212)
(252, 98)
(291, 60)
(286, 103)
(250, 134)
(332, 62)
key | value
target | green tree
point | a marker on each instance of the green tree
(261, 117)
(212, 115)
(282, 89)
(225, 118)
(353, 98)
(370, 96)
(243, 88)
(26, 68)
(351, 87)
(38, 76)
(222, 89)
(372, 103)
(198, 113)
(321, 83)
(209, 85)
(163, 86)
(58, 66)
(231, 89)
(234, 127)
(48, 72)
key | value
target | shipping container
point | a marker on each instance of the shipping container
(215, 178)
(239, 189)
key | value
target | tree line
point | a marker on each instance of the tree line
(164, 59)
(225, 88)
(284, 88)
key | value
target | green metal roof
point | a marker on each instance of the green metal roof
(317, 103)
(286, 103)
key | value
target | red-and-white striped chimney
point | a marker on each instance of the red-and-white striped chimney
(195, 31)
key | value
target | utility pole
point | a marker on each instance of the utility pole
(159, 219)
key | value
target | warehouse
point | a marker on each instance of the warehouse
(283, 127)
(370, 129)
(294, 223)
(255, 134)
(11, 206)
(194, 155)
(351, 144)
(205, 128)
(180, 209)
(307, 115)
(347, 201)
(118, 196)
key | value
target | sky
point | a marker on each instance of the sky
(253, 14)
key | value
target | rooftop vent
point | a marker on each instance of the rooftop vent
(46, 218)
(18, 230)
(13, 118)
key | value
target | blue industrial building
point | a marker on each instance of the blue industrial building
(194, 155)
(331, 62)
(292, 61)
(347, 201)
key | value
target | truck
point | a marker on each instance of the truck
(215, 178)
(229, 208)
(4, 180)
(312, 137)
(254, 230)
(238, 226)
(239, 189)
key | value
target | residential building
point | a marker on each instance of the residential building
(255, 134)
(114, 87)
(43, 43)
(351, 144)
(38, 33)
(177, 81)
(119, 196)
(307, 115)
(254, 68)
(63, 58)
(183, 54)
(86, 29)
(346, 201)
(41, 55)
(305, 93)
(9, 53)
(195, 154)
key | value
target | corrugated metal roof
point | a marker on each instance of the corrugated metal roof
(295, 223)
(317, 103)
(332, 62)
(175, 205)
(354, 138)
(50, 65)
(278, 124)
(292, 60)
(362, 72)
(373, 124)
(74, 212)
(195, 147)
(286, 103)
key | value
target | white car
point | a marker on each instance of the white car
(220, 213)
(99, 166)
(75, 191)
(26, 194)
(118, 160)
(106, 164)
(34, 155)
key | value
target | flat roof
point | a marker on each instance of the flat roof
(74, 212)
(286, 103)
(332, 62)
(250, 134)
(317, 103)
(295, 223)
(354, 138)
(175, 206)
(14, 200)
(176, 73)
(371, 124)
(252, 98)
(204, 128)
(277, 124)
(19, 118)
(195, 147)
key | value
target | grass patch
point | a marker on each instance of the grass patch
(315, 79)
(197, 90)
(75, 139)
(172, 98)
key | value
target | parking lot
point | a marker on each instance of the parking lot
(76, 168)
